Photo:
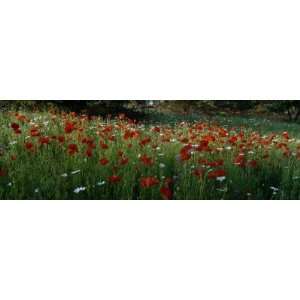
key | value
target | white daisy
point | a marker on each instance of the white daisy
(79, 189)
(75, 172)
(221, 178)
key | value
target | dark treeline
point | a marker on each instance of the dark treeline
(288, 108)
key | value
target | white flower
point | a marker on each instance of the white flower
(13, 143)
(161, 165)
(9, 184)
(296, 177)
(228, 148)
(64, 175)
(75, 172)
(275, 189)
(79, 189)
(100, 183)
(221, 178)
(36, 190)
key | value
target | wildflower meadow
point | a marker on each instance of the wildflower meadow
(60, 155)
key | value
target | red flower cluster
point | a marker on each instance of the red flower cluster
(69, 127)
(145, 141)
(147, 161)
(185, 152)
(44, 140)
(72, 149)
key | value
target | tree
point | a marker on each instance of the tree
(289, 107)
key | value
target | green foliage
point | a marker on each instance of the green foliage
(289, 107)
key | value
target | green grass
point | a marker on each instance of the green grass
(40, 174)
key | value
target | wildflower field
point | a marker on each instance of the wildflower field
(49, 155)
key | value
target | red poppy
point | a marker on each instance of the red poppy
(156, 129)
(72, 149)
(216, 173)
(145, 141)
(209, 138)
(87, 140)
(103, 145)
(185, 152)
(150, 181)
(233, 139)
(69, 127)
(128, 134)
(28, 146)
(114, 179)
(14, 126)
(166, 192)
(13, 157)
(146, 160)
(44, 140)
(61, 139)
(185, 155)
(240, 160)
(103, 161)
(124, 161)
(34, 132)
(89, 152)
(17, 131)
(203, 146)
